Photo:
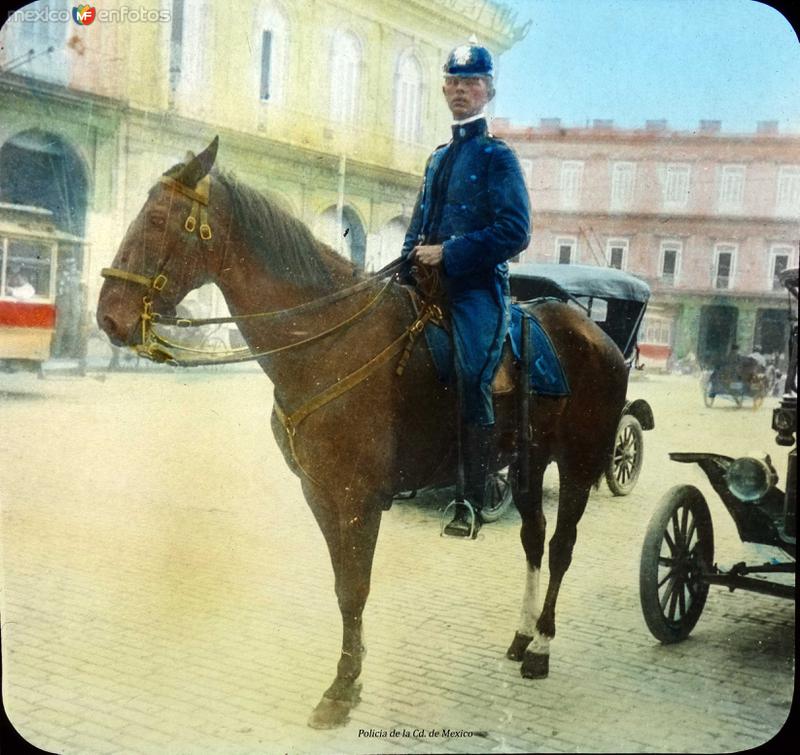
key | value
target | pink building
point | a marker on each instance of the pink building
(707, 218)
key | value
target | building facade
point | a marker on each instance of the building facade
(329, 107)
(708, 219)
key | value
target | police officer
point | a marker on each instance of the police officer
(472, 215)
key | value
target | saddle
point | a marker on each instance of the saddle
(546, 374)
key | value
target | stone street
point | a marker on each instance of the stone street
(166, 589)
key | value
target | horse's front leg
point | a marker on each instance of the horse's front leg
(532, 535)
(572, 500)
(350, 530)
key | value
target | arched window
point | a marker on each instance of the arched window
(345, 77)
(349, 239)
(273, 33)
(408, 99)
(387, 243)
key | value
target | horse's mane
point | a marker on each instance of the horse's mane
(282, 242)
(285, 244)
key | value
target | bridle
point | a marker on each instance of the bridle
(157, 283)
(157, 347)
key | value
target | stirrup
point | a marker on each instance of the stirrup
(473, 518)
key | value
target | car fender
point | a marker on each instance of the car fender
(642, 411)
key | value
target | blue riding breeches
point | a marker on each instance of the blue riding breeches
(480, 325)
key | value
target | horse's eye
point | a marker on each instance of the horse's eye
(157, 221)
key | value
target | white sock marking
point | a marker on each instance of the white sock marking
(530, 602)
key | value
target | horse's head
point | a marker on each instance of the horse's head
(168, 250)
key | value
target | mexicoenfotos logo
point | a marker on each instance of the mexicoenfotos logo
(86, 14)
(83, 15)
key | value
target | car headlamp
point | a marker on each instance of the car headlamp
(782, 420)
(749, 478)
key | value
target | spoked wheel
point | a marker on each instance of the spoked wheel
(678, 549)
(623, 469)
(498, 496)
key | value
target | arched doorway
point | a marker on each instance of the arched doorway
(717, 333)
(350, 240)
(41, 169)
(390, 241)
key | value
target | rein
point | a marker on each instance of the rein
(154, 345)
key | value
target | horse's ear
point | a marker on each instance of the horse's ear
(198, 167)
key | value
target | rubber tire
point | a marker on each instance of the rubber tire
(628, 426)
(664, 628)
(500, 485)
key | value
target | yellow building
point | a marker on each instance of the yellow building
(329, 106)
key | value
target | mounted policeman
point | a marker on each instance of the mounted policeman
(471, 216)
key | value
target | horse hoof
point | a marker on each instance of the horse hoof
(331, 714)
(535, 666)
(516, 650)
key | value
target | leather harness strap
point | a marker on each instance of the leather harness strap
(250, 356)
(292, 420)
(112, 272)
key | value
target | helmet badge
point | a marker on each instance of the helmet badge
(462, 55)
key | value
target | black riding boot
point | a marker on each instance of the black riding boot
(476, 448)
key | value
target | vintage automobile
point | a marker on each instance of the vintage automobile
(616, 301)
(677, 561)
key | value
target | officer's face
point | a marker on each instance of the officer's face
(466, 95)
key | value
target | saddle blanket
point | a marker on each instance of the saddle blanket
(547, 376)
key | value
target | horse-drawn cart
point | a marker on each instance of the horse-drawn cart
(677, 562)
(739, 378)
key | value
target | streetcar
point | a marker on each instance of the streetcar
(29, 256)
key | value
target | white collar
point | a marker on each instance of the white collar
(472, 118)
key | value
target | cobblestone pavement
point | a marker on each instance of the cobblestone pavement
(165, 589)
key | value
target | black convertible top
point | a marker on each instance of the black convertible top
(584, 280)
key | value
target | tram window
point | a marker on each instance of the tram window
(28, 268)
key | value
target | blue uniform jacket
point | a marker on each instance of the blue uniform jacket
(474, 202)
(485, 214)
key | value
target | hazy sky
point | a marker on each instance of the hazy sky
(737, 61)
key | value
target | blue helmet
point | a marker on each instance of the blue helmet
(469, 60)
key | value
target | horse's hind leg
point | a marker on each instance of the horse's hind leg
(350, 532)
(571, 505)
(532, 535)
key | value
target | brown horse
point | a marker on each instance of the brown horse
(382, 433)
